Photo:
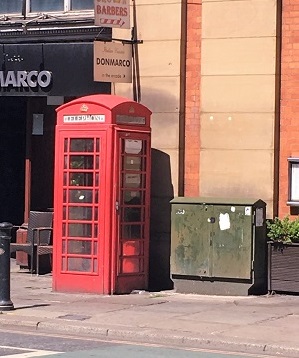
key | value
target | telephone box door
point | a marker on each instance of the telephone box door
(79, 221)
(132, 221)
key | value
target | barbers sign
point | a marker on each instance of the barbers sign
(25, 79)
(112, 13)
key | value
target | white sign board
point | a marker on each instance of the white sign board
(112, 62)
(84, 118)
(112, 13)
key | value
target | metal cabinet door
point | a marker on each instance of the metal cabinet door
(232, 242)
(190, 241)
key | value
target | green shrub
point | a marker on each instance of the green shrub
(283, 230)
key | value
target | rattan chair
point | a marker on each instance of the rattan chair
(39, 235)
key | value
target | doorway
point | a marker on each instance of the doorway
(12, 154)
(27, 136)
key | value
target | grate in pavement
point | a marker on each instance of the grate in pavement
(75, 317)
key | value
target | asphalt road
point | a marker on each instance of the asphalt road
(21, 344)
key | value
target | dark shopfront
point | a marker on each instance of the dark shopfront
(34, 79)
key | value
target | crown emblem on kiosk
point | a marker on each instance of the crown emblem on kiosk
(84, 108)
(131, 110)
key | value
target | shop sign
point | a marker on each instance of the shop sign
(32, 79)
(84, 118)
(112, 62)
(112, 13)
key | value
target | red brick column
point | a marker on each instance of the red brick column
(289, 110)
(192, 98)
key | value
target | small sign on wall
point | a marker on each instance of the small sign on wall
(113, 13)
(38, 124)
(112, 62)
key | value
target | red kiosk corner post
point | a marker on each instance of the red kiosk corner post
(102, 196)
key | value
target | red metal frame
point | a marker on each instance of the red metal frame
(132, 240)
(90, 252)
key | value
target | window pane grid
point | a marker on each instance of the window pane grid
(81, 205)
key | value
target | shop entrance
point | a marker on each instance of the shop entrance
(27, 130)
(12, 158)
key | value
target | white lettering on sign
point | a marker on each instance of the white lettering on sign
(31, 79)
(84, 118)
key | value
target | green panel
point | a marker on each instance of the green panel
(190, 239)
(232, 242)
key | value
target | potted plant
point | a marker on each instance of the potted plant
(283, 255)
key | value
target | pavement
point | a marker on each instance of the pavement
(254, 324)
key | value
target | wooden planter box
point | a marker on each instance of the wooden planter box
(283, 267)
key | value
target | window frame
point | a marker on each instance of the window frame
(293, 200)
(66, 8)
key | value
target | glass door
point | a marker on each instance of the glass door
(133, 238)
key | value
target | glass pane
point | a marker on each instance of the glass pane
(81, 162)
(95, 248)
(132, 232)
(96, 214)
(82, 4)
(133, 146)
(132, 180)
(11, 6)
(80, 230)
(79, 264)
(46, 5)
(65, 145)
(79, 247)
(81, 145)
(63, 264)
(130, 265)
(95, 265)
(132, 197)
(65, 162)
(132, 214)
(132, 248)
(63, 247)
(80, 196)
(81, 179)
(132, 163)
(80, 213)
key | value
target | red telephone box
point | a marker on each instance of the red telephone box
(102, 196)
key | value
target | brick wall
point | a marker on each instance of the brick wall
(289, 111)
(192, 98)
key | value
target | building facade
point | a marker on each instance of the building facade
(47, 59)
(219, 76)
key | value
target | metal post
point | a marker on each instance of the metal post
(5, 236)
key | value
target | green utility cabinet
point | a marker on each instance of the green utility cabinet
(218, 246)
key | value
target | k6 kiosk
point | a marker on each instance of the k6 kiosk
(102, 196)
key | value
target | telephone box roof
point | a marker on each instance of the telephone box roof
(104, 100)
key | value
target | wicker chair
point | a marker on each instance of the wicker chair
(39, 235)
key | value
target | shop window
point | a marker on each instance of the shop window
(59, 5)
(10, 6)
(293, 196)
(44, 6)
